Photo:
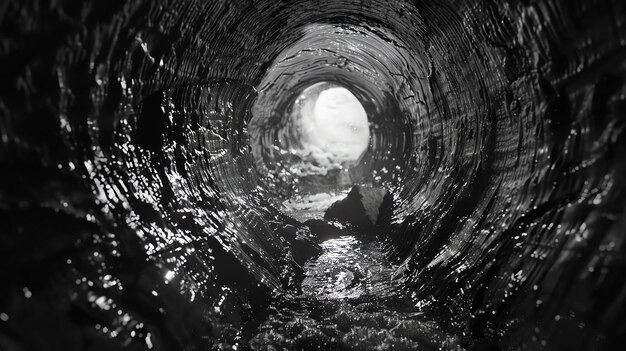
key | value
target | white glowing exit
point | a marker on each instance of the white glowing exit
(335, 125)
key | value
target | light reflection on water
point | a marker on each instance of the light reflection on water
(349, 302)
(349, 267)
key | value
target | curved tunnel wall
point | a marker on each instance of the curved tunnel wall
(128, 179)
(365, 60)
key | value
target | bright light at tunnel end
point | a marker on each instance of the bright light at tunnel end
(333, 125)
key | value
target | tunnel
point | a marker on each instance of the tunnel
(149, 151)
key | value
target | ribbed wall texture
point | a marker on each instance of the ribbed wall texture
(133, 213)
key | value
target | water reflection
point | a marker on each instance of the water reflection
(349, 267)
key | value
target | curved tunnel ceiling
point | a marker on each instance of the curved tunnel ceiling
(133, 213)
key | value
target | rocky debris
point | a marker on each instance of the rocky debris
(361, 207)
(349, 325)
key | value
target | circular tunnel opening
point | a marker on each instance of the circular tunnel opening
(333, 125)
(325, 130)
(330, 113)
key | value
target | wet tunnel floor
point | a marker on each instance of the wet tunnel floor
(348, 302)
(349, 267)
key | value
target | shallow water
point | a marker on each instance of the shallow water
(349, 300)
(349, 267)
